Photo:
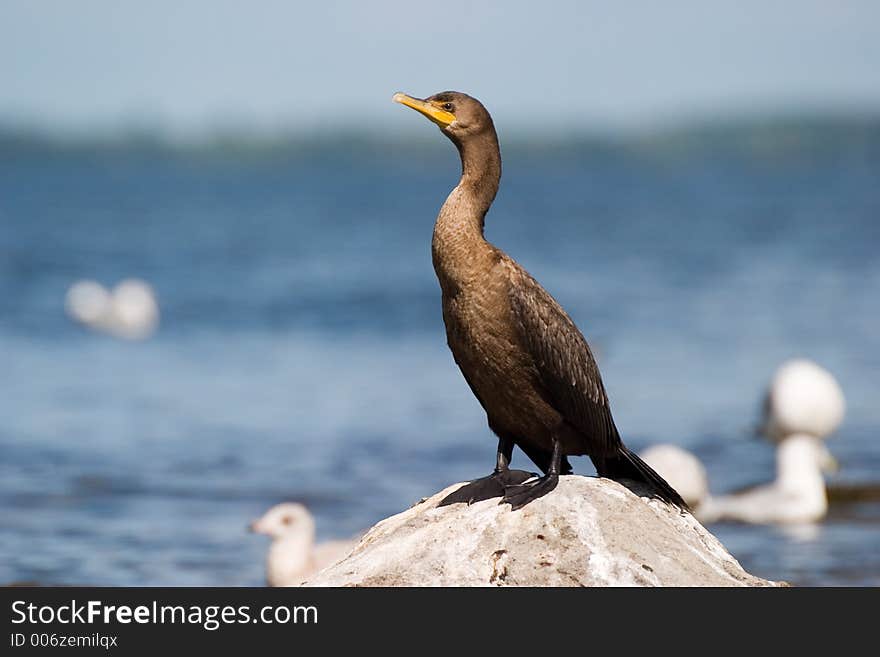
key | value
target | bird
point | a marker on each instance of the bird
(293, 556)
(523, 357)
(130, 311)
(803, 397)
(803, 406)
(796, 495)
(682, 469)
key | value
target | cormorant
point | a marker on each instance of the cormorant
(522, 355)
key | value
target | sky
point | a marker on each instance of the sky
(192, 66)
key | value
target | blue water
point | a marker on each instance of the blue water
(301, 352)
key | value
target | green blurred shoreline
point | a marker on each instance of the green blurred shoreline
(769, 135)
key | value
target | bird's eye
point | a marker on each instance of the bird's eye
(447, 107)
(287, 520)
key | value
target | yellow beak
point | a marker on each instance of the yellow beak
(827, 461)
(439, 116)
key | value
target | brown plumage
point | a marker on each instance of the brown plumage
(525, 360)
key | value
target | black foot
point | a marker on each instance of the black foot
(518, 496)
(487, 487)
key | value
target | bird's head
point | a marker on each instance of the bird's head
(458, 115)
(284, 519)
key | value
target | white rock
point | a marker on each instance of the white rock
(587, 532)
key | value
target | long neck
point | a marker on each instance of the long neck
(480, 172)
(289, 558)
(797, 464)
(459, 247)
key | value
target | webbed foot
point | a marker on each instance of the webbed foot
(520, 495)
(487, 487)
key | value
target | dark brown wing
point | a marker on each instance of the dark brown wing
(566, 367)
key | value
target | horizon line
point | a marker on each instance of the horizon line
(154, 129)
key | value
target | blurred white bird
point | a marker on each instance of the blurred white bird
(797, 495)
(681, 469)
(803, 398)
(130, 311)
(293, 556)
(803, 406)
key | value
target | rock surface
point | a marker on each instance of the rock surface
(587, 532)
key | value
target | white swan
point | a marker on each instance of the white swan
(293, 556)
(130, 311)
(803, 406)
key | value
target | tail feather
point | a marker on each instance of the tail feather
(627, 465)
